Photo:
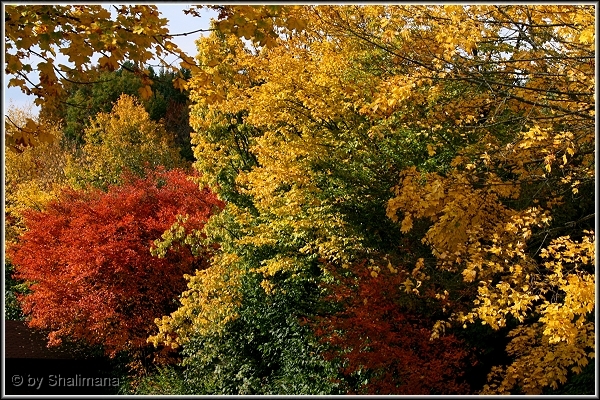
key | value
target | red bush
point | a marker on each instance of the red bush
(390, 347)
(88, 258)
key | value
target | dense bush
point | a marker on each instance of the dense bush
(87, 259)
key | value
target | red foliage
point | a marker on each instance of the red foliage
(390, 347)
(88, 256)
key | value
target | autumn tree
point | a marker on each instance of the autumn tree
(481, 116)
(88, 262)
(81, 103)
(321, 196)
(517, 99)
(124, 139)
(166, 105)
(294, 205)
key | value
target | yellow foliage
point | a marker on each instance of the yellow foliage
(33, 177)
(208, 304)
(475, 227)
(510, 118)
(454, 206)
(124, 139)
(538, 362)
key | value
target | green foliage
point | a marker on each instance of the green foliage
(170, 106)
(266, 350)
(166, 380)
(83, 102)
(12, 289)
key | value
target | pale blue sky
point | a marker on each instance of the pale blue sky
(178, 23)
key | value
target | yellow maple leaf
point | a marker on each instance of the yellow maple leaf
(145, 92)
